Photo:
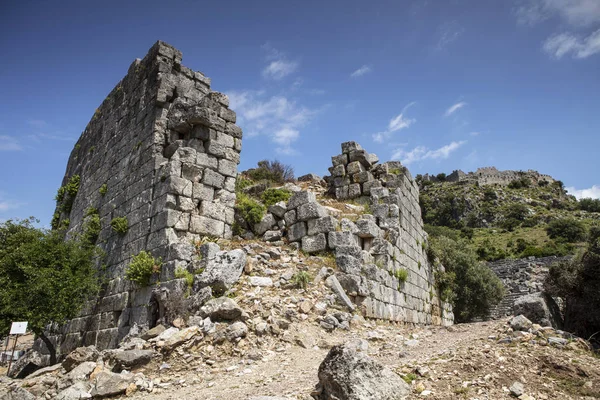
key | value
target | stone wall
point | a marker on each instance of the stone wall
(520, 278)
(491, 176)
(162, 151)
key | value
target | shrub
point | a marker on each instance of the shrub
(273, 171)
(475, 287)
(273, 195)
(401, 274)
(590, 205)
(183, 273)
(489, 194)
(142, 267)
(251, 210)
(517, 211)
(441, 177)
(103, 189)
(66, 194)
(567, 229)
(91, 228)
(520, 183)
(120, 225)
(301, 279)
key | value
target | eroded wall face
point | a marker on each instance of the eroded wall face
(161, 151)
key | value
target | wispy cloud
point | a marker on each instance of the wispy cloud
(475, 133)
(593, 192)
(579, 47)
(422, 153)
(448, 32)
(397, 123)
(279, 65)
(577, 13)
(365, 69)
(276, 117)
(454, 108)
(9, 143)
(7, 204)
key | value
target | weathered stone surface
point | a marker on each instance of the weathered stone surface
(133, 358)
(539, 309)
(26, 364)
(334, 284)
(222, 308)
(315, 243)
(221, 271)
(322, 225)
(265, 224)
(110, 384)
(79, 355)
(308, 211)
(181, 337)
(520, 323)
(300, 198)
(260, 281)
(278, 209)
(152, 333)
(236, 330)
(297, 231)
(352, 375)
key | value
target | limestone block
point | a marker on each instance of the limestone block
(341, 239)
(362, 177)
(367, 186)
(299, 198)
(335, 286)
(191, 172)
(340, 181)
(347, 147)
(206, 226)
(290, 217)
(227, 168)
(206, 160)
(227, 114)
(322, 225)
(200, 132)
(229, 184)
(308, 211)
(213, 179)
(355, 167)
(177, 185)
(354, 190)
(360, 156)
(278, 209)
(267, 222)
(185, 155)
(297, 231)
(341, 193)
(233, 130)
(222, 138)
(349, 264)
(342, 159)
(338, 170)
(380, 192)
(217, 211)
(216, 149)
(314, 244)
(202, 192)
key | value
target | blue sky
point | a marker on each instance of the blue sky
(440, 85)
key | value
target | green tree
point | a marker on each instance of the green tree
(474, 287)
(43, 278)
(567, 229)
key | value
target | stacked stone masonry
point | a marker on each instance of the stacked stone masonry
(491, 176)
(521, 278)
(162, 150)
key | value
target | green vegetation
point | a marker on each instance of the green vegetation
(273, 171)
(142, 267)
(408, 378)
(590, 205)
(103, 189)
(275, 195)
(65, 196)
(578, 282)
(43, 278)
(91, 226)
(567, 229)
(183, 273)
(251, 210)
(120, 225)
(301, 279)
(401, 274)
(468, 284)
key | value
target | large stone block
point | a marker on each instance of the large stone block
(299, 198)
(322, 225)
(206, 226)
(297, 231)
(314, 244)
(308, 211)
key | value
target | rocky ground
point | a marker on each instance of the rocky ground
(269, 336)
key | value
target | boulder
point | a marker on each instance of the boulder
(335, 286)
(17, 393)
(520, 323)
(80, 355)
(132, 358)
(349, 374)
(154, 332)
(539, 309)
(222, 271)
(222, 308)
(181, 337)
(110, 384)
(236, 330)
(26, 364)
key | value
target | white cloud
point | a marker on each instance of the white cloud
(421, 153)
(593, 192)
(454, 108)
(397, 123)
(279, 69)
(9, 143)
(277, 117)
(365, 69)
(475, 133)
(448, 33)
(564, 43)
(576, 13)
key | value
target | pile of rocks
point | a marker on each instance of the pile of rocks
(351, 175)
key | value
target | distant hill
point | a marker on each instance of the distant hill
(507, 213)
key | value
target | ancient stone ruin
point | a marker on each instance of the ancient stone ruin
(492, 176)
(157, 165)
(155, 171)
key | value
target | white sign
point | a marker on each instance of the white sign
(18, 328)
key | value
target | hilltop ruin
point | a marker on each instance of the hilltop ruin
(156, 168)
